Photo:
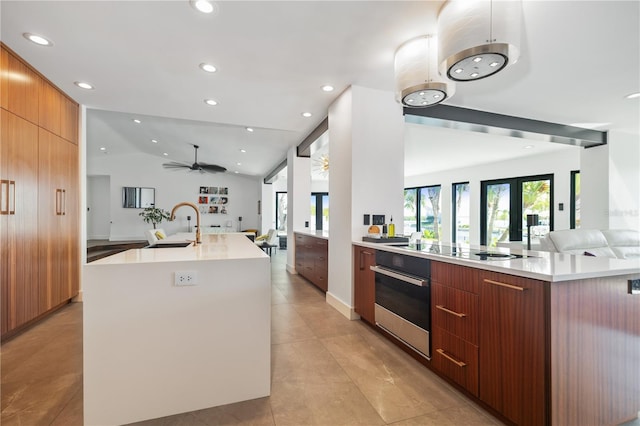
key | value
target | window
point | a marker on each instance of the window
(506, 204)
(461, 213)
(281, 211)
(422, 211)
(410, 211)
(430, 216)
(319, 211)
(574, 214)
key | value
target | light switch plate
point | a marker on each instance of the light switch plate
(378, 219)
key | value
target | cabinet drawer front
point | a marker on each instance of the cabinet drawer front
(456, 359)
(460, 277)
(456, 311)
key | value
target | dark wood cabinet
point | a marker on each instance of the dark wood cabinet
(311, 259)
(39, 223)
(454, 312)
(513, 346)
(364, 283)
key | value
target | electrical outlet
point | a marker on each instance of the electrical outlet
(634, 286)
(184, 278)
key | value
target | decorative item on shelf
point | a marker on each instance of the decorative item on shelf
(478, 39)
(418, 83)
(154, 215)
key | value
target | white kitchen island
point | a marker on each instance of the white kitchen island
(153, 349)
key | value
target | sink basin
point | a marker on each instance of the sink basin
(170, 245)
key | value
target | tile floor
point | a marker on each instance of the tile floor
(326, 370)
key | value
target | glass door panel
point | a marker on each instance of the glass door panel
(410, 218)
(536, 199)
(430, 216)
(498, 213)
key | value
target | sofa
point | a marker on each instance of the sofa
(613, 243)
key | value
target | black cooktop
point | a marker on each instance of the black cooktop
(464, 252)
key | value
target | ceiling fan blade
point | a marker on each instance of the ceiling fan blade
(212, 168)
(174, 165)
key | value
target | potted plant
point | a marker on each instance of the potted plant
(154, 215)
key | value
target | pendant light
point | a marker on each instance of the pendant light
(418, 83)
(478, 38)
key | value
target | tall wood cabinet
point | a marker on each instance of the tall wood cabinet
(39, 220)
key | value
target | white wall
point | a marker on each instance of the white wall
(98, 208)
(298, 190)
(559, 163)
(171, 187)
(624, 181)
(366, 176)
(594, 187)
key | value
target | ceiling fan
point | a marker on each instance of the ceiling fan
(201, 167)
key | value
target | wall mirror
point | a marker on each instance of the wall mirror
(138, 198)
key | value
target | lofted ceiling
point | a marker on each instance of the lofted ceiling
(579, 60)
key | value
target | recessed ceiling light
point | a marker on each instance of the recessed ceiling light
(327, 88)
(37, 39)
(528, 146)
(494, 64)
(164, 153)
(238, 164)
(249, 129)
(474, 74)
(83, 85)
(236, 171)
(135, 120)
(306, 114)
(243, 150)
(208, 67)
(102, 148)
(458, 70)
(477, 59)
(633, 95)
(210, 102)
(154, 141)
(204, 6)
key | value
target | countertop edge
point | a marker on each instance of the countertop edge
(632, 268)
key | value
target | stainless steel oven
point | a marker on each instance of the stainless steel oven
(403, 298)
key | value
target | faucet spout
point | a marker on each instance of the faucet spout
(195, 208)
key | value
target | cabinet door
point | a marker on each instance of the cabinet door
(513, 347)
(58, 216)
(300, 253)
(18, 221)
(364, 283)
(19, 86)
(321, 263)
(50, 104)
(69, 120)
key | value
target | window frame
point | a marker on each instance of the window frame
(515, 204)
(454, 216)
(572, 202)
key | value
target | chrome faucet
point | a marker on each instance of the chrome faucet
(173, 217)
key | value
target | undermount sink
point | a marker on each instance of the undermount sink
(170, 245)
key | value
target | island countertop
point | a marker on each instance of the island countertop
(166, 331)
(213, 247)
(546, 266)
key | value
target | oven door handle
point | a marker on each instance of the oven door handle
(401, 277)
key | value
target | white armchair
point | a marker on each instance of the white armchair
(270, 242)
(153, 234)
